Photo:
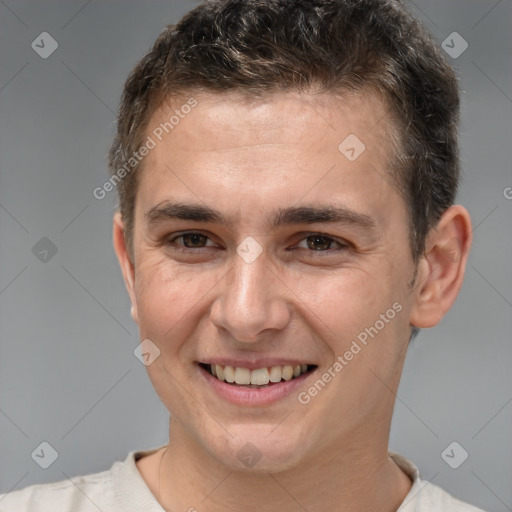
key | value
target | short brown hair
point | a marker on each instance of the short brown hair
(260, 46)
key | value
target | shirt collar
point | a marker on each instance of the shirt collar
(132, 492)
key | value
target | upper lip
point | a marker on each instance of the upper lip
(254, 364)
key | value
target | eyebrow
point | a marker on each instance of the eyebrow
(308, 214)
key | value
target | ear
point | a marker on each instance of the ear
(441, 268)
(127, 267)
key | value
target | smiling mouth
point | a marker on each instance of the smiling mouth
(258, 378)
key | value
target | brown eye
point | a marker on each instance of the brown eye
(190, 240)
(319, 242)
(194, 240)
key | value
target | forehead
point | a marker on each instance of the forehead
(283, 146)
(223, 120)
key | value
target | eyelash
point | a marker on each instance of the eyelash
(170, 242)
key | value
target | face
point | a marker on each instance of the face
(265, 238)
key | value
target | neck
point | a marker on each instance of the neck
(355, 475)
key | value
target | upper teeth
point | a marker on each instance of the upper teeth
(260, 376)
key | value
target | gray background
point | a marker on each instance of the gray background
(68, 375)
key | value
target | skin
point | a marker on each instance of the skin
(247, 159)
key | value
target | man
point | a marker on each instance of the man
(286, 172)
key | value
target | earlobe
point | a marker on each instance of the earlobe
(441, 269)
(127, 267)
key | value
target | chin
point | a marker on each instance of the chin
(259, 449)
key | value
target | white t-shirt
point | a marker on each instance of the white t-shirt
(122, 489)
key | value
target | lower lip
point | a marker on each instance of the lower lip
(240, 395)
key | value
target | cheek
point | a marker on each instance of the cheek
(342, 303)
(171, 298)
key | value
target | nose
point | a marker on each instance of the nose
(251, 301)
